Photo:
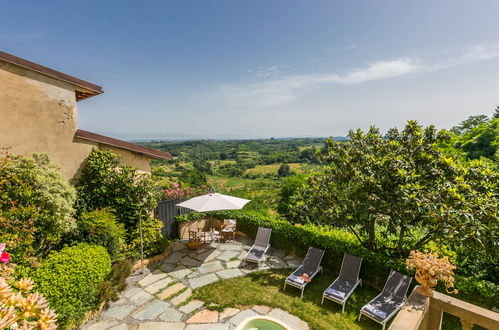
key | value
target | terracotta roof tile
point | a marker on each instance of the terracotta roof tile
(150, 152)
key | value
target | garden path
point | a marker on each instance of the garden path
(162, 298)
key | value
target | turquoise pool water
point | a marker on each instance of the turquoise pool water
(262, 325)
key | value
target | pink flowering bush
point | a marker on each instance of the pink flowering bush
(4, 256)
(20, 308)
(176, 192)
(6, 268)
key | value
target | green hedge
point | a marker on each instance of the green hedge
(336, 242)
(69, 279)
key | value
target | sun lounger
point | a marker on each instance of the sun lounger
(384, 306)
(260, 247)
(311, 266)
(341, 289)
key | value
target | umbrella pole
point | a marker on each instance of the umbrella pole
(141, 246)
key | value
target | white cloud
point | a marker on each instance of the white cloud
(269, 71)
(284, 89)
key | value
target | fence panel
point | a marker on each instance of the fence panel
(166, 212)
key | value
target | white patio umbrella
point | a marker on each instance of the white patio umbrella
(214, 202)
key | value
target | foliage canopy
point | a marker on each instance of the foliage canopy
(399, 192)
(36, 204)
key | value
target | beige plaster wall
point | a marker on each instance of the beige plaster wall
(38, 114)
(139, 161)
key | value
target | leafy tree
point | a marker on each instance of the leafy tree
(289, 187)
(284, 170)
(193, 177)
(398, 192)
(202, 166)
(481, 140)
(470, 123)
(107, 183)
(496, 113)
(36, 204)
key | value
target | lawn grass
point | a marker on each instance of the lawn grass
(265, 288)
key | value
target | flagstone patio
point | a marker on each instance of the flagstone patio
(162, 297)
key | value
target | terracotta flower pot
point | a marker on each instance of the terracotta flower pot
(427, 283)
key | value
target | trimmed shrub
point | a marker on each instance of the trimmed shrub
(376, 266)
(69, 279)
(101, 228)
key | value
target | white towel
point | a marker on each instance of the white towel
(296, 279)
(375, 311)
(335, 293)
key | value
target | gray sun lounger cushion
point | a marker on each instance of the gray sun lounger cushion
(310, 266)
(255, 254)
(342, 288)
(339, 289)
(261, 245)
(391, 299)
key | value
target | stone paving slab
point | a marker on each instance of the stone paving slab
(203, 280)
(228, 312)
(157, 286)
(233, 264)
(191, 306)
(141, 297)
(120, 327)
(167, 267)
(210, 267)
(175, 257)
(130, 292)
(171, 290)
(102, 325)
(180, 273)
(151, 310)
(161, 325)
(230, 246)
(171, 315)
(190, 262)
(261, 309)
(229, 273)
(149, 279)
(120, 312)
(228, 255)
(205, 316)
(182, 297)
(208, 255)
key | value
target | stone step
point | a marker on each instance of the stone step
(181, 297)
(170, 291)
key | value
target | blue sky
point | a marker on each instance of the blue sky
(265, 68)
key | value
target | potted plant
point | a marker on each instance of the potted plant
(429, 270)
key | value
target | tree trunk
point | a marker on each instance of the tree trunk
(371, 241)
